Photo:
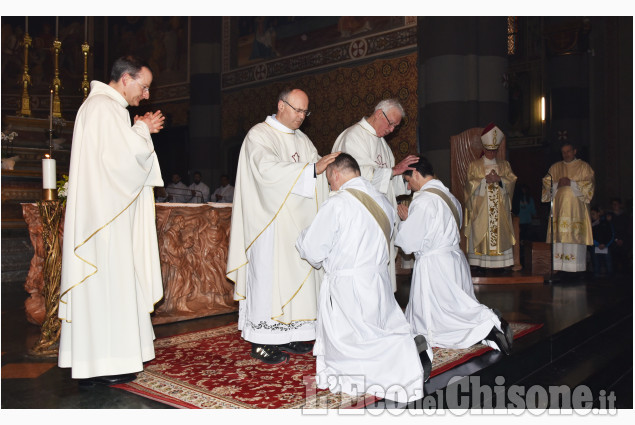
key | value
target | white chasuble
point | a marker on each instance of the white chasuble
(276, 196)
(363, 342)
(442, 305)
(375, 160)
(111, 273)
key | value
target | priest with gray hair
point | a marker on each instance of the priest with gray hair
(365, 142)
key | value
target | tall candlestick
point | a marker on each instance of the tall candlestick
(48, 173)
(51, 114)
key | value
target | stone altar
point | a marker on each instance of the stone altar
(193, 242)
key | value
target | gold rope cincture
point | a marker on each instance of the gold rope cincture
(243, 296)
(93, 234)
(382, 220)
(265, 228)
(447, 201)
(375, 210)
(89, 238)
(275, 318)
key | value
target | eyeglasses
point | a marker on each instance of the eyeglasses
(299, 111)
(390, 124)
(146, 89)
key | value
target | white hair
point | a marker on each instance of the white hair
(388, 104)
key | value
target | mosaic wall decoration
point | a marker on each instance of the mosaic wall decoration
(257, 49)
(337, 98)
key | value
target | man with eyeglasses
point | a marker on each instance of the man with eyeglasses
(365, 142)
(279, 186)
(111, 272)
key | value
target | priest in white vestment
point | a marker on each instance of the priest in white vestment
(365, 142)
(111, 274)
(279, 186)
(177, 191)
(225, 193)
(199, 190)
(573, 183)
(442, 306)
(364, 343)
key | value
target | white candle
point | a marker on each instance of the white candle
(57, 22)
(48, 174)
(27, 25)
(85, 28)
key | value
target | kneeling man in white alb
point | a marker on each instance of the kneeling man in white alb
(442, 305)
(363, 342)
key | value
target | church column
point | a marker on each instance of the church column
(461, 65)
(611, 107)
(205, 153)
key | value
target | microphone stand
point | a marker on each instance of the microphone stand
(551, 279)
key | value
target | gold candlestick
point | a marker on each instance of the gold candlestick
(25, 109)
(85, 83)
(57, 83)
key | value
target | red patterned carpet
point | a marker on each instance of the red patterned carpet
(212, 369)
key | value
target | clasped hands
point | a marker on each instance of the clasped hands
(402, 211)
(492, 177)
(154, 120)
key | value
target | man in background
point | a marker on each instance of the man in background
(488, 193)
(225, 193)
(177, 191)
(573, 183)
(199, 190)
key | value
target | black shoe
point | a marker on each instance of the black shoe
(296, 347)
(107, 380)
(422, 346)
(269, 354)
(498, 337)
(507, 330)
